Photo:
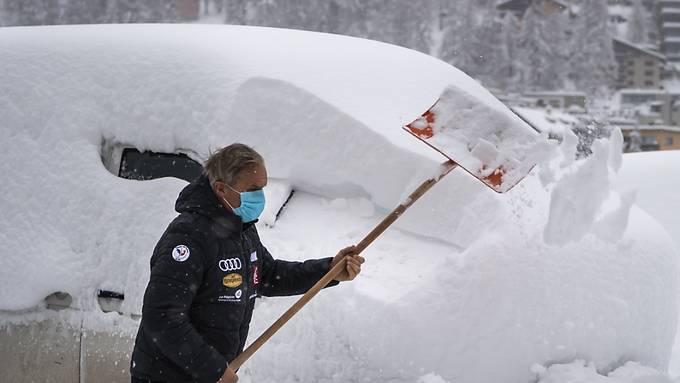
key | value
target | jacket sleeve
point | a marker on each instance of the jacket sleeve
(281, 278)
(172, 286)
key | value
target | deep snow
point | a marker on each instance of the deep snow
(470, 286)
(654, 177)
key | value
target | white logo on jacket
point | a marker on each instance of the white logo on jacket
(181, 253)
(231, 264)
(236, 297)
(253, 256)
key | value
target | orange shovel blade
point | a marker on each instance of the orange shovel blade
(488, 141)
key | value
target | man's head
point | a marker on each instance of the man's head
(233, 170)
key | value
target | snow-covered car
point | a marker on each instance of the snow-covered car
(470, 286)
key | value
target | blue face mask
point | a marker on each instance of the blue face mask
(252, 204)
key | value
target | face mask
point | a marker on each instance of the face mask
(252, 204)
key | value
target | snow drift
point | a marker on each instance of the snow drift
(473, 287)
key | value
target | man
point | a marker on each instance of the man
(208, 268)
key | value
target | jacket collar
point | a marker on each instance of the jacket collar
(198, 197)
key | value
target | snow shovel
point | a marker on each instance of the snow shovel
(486, 140)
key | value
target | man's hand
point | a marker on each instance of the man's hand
(353, 266)
(229, 376)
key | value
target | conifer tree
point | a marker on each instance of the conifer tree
(592, 63)
(637, 24)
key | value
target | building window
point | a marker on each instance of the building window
(649, 83)
(649, 140)
(649, 63)
(669, 141)
(649, 73)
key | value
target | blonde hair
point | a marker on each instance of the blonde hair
(227, 163)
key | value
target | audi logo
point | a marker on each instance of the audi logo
(231, 264)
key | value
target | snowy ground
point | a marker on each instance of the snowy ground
(469, 286)
(655, 178)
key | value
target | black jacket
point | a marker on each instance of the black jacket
(206, 271)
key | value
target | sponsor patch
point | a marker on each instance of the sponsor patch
(231, 298)
(253, 256)
(256, 275)
(232, 280)
(231, 264)
(252, 296)
(181, 253)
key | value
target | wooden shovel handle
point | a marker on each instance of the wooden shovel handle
(399, 210)
(335, 270)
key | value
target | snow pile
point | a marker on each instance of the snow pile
(431, 378)
(470, 286)
(582, 190)
(655, 178)
(581, 372)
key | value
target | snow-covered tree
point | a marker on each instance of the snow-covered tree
(506, 72)
(542, 51)
(592, 64)
(296, 14)
(635, 143)
(124, 11)
(587, 131)
(408, 23)
(458, 32)
(637, 24)
(41, 12)
(486, 46)
(28, 12)
(469, 34)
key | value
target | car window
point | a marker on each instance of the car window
(136, 165)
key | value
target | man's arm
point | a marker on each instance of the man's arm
(292, 278)
(176, 274)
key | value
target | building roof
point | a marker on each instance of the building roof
(544, 120)
(643, 91)
(664, 128)
(621, 121)
(556, 93)
(639, 48)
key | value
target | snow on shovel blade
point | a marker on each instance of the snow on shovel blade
(488, 142)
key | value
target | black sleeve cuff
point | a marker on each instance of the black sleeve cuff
(328, 262)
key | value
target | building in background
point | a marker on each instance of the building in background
(558, 99)
(639, 67)
(642, 138)
(651, 106)
(668, 18)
